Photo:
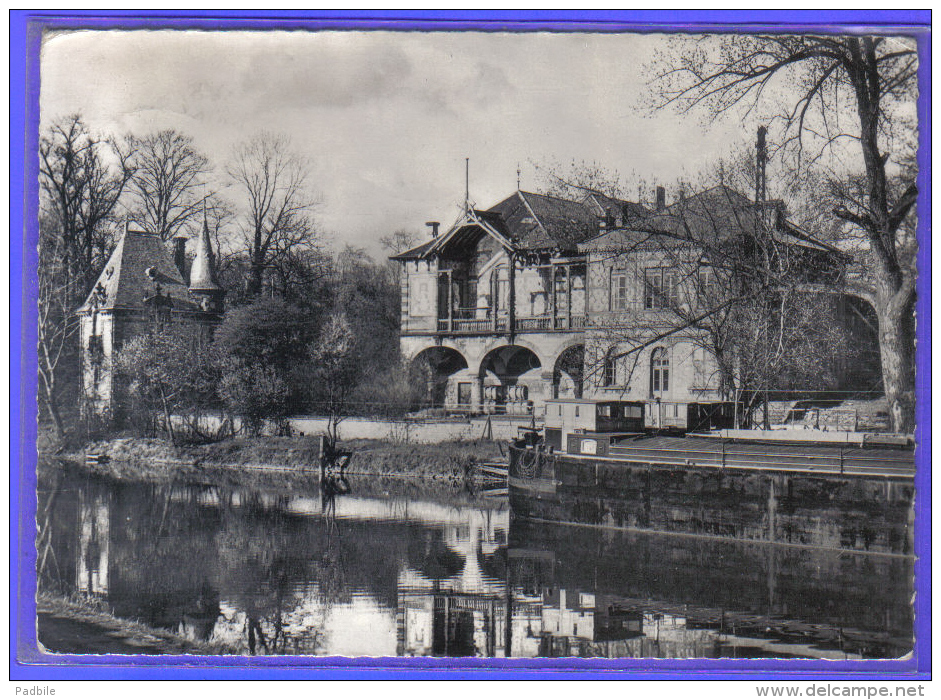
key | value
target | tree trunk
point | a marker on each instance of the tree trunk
(897, 350)
(52, 405)
(166, 416)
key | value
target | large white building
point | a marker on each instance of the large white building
(539, 297)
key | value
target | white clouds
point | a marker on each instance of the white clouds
(386, 118)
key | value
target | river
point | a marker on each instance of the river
(404, 573)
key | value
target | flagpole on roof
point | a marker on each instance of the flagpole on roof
(467, 184)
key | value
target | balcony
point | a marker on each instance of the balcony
(471, 326)
(525, 324)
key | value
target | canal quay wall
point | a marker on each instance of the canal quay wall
(861, 513)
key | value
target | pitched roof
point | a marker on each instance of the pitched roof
(535, 221)
(125, 282)
(529, 221)
(719, 213)
(414, 253)
(604, 204)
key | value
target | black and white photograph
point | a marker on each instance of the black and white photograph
(493, 344)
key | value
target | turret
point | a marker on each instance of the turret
(204, 288)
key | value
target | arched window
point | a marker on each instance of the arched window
(659, 372)
(609, 369)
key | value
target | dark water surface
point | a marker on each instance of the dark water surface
(391, 575)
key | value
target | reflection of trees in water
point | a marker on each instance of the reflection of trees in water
(47, 497)
(429, 554)
(213, 562)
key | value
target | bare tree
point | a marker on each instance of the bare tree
(81, 181)
(726, 276)
(399, 241)
(57, 324)
(166, 182)
(335, 368)
(821, 91)
(276, 206)
(578, 179)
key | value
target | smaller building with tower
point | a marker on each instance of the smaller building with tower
(143, 287)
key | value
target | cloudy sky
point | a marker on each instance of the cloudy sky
(387, 118)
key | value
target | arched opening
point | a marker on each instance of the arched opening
(435, 377)
(568, 373)
(510, 380)
(659, 372)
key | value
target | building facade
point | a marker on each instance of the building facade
(540, 297)
(143, 287)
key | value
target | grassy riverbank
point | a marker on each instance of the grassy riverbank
(85, 626)
(259, 460)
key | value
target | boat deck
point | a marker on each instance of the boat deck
(705, 452)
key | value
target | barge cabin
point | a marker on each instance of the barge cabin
(689, 416)
(586, 422)
(590, 426)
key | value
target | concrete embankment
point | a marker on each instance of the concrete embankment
(871, 513)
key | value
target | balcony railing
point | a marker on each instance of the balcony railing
(526, 324)
(535, 323)
(471, 326)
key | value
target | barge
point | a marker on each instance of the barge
(600, 464)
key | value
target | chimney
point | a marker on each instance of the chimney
(434, 227)
(179, 255)
(661, 198)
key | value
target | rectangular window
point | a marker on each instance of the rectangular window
(661, 288)
(707, 291)
(609, 371)
(619, 301)
(503, 294)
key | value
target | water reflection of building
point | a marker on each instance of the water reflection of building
(451, 595)
(424, 578)
(444, 623)
(561, 623)
(94, 527)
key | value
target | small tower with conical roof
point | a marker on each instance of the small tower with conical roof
(204, 288)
